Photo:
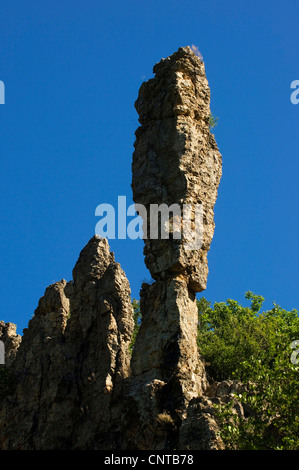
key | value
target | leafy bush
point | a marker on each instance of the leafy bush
(241, 343)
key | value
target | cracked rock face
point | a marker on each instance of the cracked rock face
(176, 160)
(72, 361)
(11, 341)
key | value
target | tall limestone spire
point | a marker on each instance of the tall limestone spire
(176, 161)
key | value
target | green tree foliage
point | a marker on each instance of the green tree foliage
(254, 347)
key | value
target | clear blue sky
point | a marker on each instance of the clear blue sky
(72, 70)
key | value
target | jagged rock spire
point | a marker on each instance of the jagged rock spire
(176, 160)
(73, 360)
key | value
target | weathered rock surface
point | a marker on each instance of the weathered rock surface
(72, 361)
(176, 161)
(200, 431)
(11, 341)
(167, 337)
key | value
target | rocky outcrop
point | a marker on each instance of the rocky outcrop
(73, 360)
(76, 384)
(11, 341)
(199, 430)
(176, 162)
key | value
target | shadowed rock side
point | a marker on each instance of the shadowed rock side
(72, 361)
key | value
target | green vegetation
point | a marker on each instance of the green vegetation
(213, 121)
(137, 322)
(242, 343)
(254, 347)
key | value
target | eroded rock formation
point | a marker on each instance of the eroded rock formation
(76, 384)
(176, 161)
(11, 341)
(72, 361)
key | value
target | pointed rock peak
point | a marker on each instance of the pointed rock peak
(93, 261)
(186, 52)
(54, 299)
